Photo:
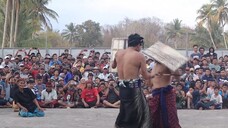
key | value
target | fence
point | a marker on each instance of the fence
(76, 51)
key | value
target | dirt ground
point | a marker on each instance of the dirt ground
(104, 118)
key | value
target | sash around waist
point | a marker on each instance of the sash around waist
(134, 83)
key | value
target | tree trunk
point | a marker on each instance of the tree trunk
(12, 23)
(5, 23)
(16, 22)
(212, 39)
(224, 37)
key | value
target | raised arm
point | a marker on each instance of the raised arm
(143, 68)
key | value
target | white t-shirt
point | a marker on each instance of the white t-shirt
(48, 96)
(217, 98)
(210, 92)
(104, 76)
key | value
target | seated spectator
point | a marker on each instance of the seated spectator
(78, 99)
(31, 84)
(222, 78)
(26, 100)
(224, 94)
(39, 87)
(199, 92)
(217, 99)
(210, 89)
(214, 65)
(90, 97)
(49, 96)
(207, 75)
(104, 75)
(54, 60)
(112, 95)
(204, 65)
(60, 97)
(82, 84)
(55, 77)
(3, 101)
(189, 98)
(68, 95)
(180, 97)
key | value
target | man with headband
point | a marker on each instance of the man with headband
(130, 63)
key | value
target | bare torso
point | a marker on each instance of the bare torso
(128, 64)
(160, 81)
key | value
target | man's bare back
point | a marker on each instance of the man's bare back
(129, 62)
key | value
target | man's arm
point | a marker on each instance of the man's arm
(143, 68)
(114, 63)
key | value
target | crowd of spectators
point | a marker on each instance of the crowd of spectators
(84, 81)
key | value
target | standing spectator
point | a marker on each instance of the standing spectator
(90, 97)
(211, 53)
(195, 53)
(26, 100)
(201, 51)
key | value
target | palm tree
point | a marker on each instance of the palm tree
(206, 18)
(37, 10)
(221, 14)
(69, 33)
(174, 31)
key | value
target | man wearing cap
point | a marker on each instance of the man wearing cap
(7, 62)
(49, 96)
(134, 111)
(104, 75)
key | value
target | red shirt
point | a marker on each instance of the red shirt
(89, 95)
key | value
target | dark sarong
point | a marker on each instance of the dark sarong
(163, 108)
(134, 110)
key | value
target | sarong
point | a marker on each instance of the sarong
(134, 110)
(163, 108)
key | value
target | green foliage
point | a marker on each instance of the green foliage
(88, 34)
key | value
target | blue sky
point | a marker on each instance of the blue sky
(110, 12)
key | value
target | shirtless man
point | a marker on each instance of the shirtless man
(163, 104)
(130, 63)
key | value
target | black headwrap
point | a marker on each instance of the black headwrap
(134, 40)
